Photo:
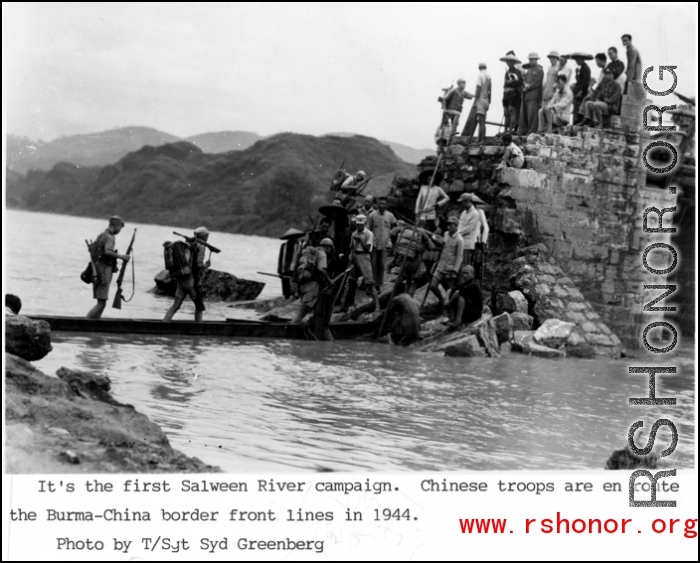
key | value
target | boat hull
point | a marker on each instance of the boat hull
(230, 327)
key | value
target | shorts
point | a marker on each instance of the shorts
(101, 290)
(362, 268)
(482, 106)
(185, 287)
(414, 269)
(445, 277)
(309, 293)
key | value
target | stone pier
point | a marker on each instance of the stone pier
(579, 201)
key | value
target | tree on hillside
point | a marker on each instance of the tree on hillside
(285, 195)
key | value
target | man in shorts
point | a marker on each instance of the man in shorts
(361, 245)
(104, 256)
(314, 261)
(190, 283)
(450, 260)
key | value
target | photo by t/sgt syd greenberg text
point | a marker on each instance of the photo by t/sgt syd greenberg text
(369, 281)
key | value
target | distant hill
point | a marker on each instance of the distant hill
(93, 149)
(107, 147)
(264, 189)
(409, 154)
(404, 152)
(224, 141)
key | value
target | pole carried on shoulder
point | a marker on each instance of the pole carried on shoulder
(117, 303)
(193, 239)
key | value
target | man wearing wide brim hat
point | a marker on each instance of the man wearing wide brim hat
(550, 82)
(532, 96)
(430, 197)
(512, 93)
(292, 233)
(583, 79)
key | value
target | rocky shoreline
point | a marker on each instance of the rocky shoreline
(71, 423)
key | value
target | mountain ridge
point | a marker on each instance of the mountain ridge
(107, 147)
(264, 189)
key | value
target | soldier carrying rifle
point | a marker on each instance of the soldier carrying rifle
(185, 263)
(104, 258)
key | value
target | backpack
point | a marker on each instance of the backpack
(178, 259)
(97, 252)
(340, 177)
(306, 270)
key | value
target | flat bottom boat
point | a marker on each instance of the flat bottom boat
(230, 327)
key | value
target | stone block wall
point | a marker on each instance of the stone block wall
(584, 197)
(581, 193)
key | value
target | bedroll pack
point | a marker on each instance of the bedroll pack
(340, 177)
(307, 264)
(178, 259)
(97, 252)
(408, 245)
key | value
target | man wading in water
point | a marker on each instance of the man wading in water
(105, 259)
(190, 283)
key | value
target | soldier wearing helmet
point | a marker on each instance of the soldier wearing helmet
(191, 284)
(104, 257)
(311, 270)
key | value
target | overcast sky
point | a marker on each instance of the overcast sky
(373, 69)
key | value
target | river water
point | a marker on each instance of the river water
(252, 405)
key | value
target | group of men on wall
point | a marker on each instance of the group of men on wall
(535, 100)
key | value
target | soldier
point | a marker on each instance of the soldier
(310, 271)
(190, 284)
(105, 257)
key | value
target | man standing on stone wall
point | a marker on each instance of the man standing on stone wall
(453, 102)
(512, 93)
(634, 62)
(380, 222)
(482, 102)
(566, 70)
(580, 87)
(532, 96)
(550, 83)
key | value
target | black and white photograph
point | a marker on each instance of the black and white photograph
(280, 238)
(310, 245)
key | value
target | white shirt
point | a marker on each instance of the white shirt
(429, 199)
(568, 72)
(469, 227)
(483, 235)
(484, 80)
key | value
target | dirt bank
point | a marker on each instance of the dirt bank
(72, 424)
